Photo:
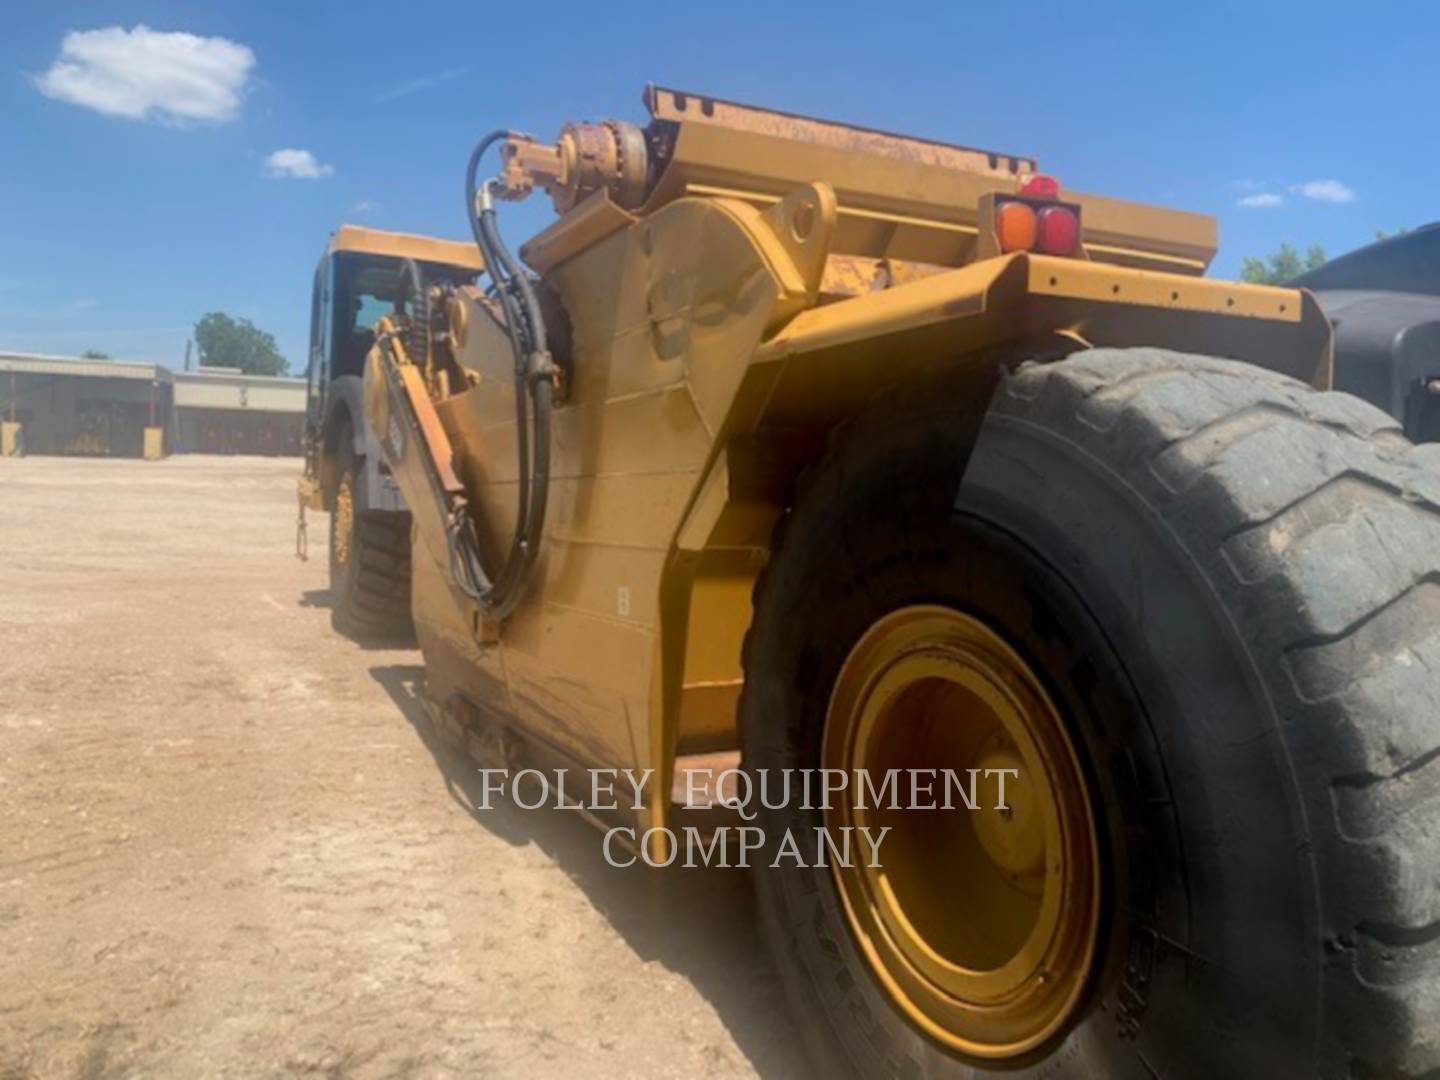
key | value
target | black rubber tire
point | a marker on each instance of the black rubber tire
(1231, 584)
(370, 591)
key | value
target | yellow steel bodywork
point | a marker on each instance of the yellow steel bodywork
(367, 241)
(709, 361)
(913, 210)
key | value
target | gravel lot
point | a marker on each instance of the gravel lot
(230, 846)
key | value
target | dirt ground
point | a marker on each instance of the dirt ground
(230, 846)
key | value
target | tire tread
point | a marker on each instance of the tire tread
(1333, 558)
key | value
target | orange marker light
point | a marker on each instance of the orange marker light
(1014, 226)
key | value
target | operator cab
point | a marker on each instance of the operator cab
(356, 282)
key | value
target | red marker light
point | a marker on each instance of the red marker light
(1041, 187)
(1057, 230)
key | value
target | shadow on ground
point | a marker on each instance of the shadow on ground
(321, 598)
(700, 923)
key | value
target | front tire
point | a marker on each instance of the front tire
(369, 560)
(1224, 582)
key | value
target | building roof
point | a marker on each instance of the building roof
(79, 366)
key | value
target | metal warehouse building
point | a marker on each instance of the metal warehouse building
(98, 408)
(221, 411)
(69, 405)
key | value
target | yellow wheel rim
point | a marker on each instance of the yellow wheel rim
(344, 520)
(980, 925)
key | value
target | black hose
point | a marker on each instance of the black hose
(534, 391)
(471, 190)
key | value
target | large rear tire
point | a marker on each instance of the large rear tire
(369, 560)
(1225, 583)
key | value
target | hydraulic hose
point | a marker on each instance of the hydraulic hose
(534, 392)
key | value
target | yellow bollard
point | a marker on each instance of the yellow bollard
(154, 443)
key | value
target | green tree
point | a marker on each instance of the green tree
(224, 341)
(1381, 234)
(94, 354)
(1282, 266)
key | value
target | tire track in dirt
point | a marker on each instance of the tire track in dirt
(229, 846)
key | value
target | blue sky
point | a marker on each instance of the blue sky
(136, 196)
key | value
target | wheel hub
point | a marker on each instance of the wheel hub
(980, 924)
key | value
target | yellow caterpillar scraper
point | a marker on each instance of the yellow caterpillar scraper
(797, 446)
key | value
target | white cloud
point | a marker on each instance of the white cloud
(290, 164)
(1331, 191)
(1261, 200)
(143, 74)
(1246, 184)
(365, 206)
